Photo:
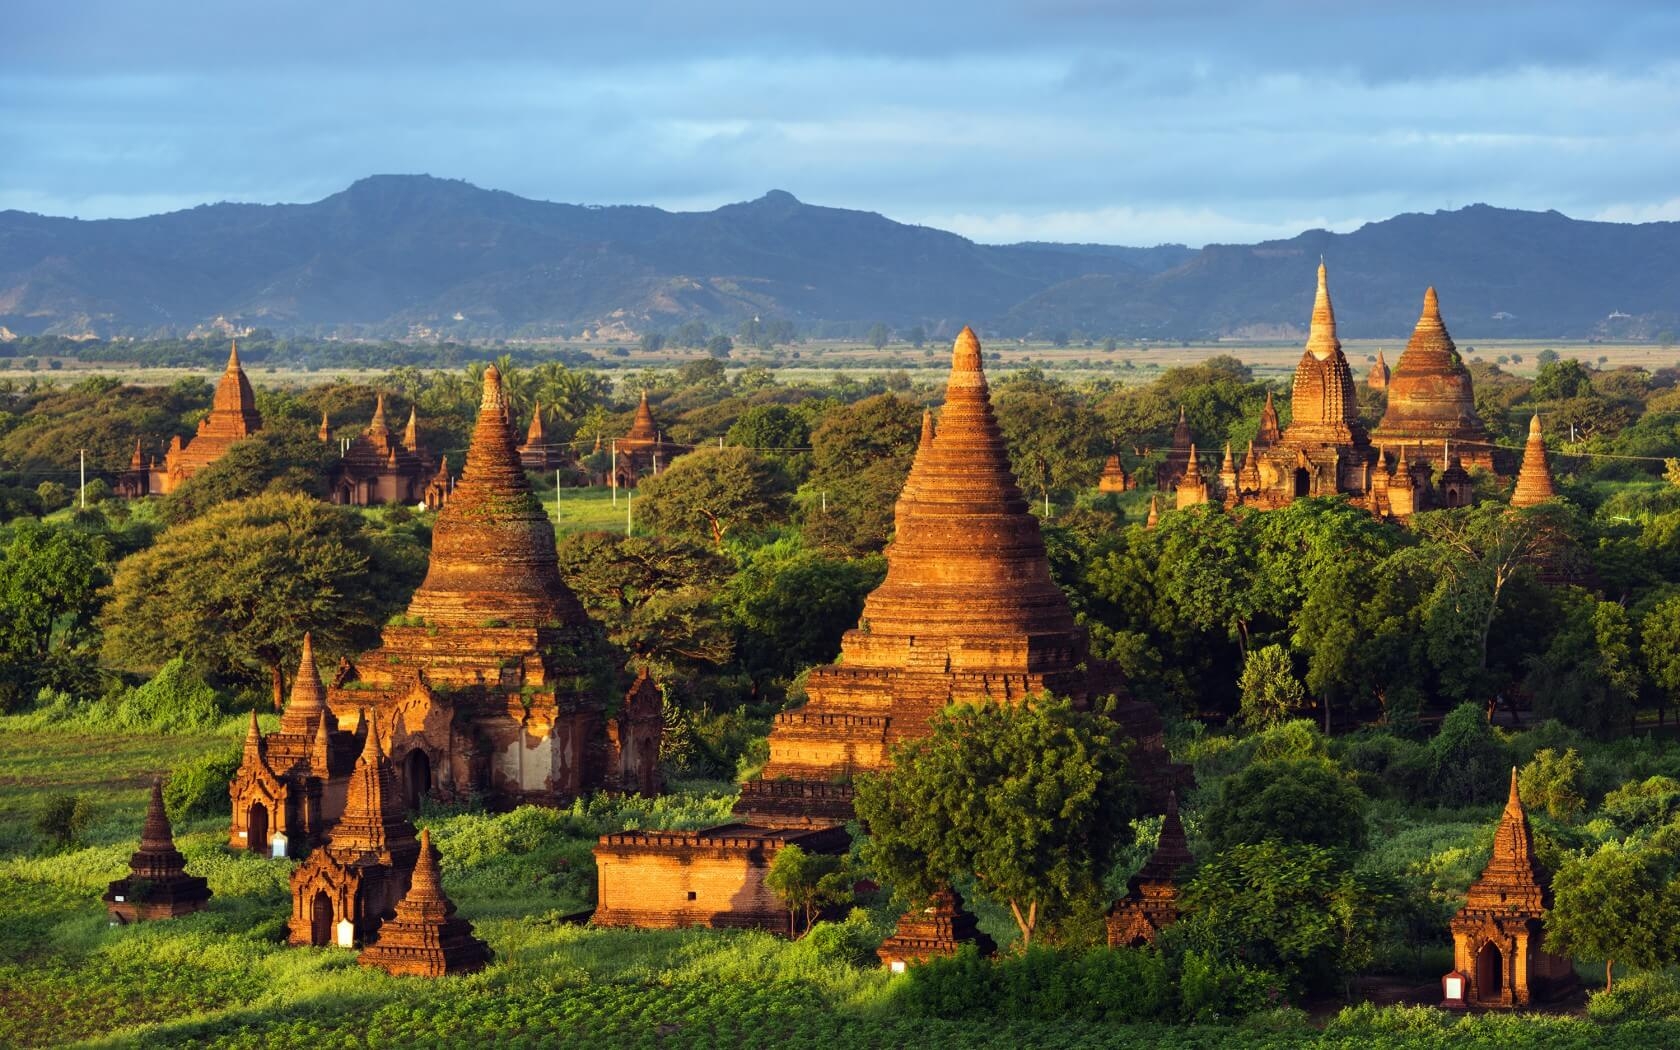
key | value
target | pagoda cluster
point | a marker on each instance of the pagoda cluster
(1417, 458)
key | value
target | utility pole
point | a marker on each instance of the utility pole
(612, 475)
(825, 501)
(556, 495)
(83, 452)
(629, 512)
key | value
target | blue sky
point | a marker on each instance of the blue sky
(1124, 122)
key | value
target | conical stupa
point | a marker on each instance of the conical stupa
(425, 938)
(493, 555)
(1324, 405)
(1151, 901)
(1430, 396)
(233, 417)
(157, 885)
(1534, 480)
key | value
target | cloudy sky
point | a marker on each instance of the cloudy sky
(1133, 121)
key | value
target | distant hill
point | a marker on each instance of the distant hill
(399, 254)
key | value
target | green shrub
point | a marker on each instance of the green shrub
(64, 819)
(1213, 990)
(1470, 762)
(1096, 986)
(200, 788)
(1555, 780)
(1643, 805)
(1368, 1019)
(174, 701)
(1649, 995)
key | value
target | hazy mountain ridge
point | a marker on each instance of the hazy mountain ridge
(394, 252)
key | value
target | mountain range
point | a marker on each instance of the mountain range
(412, 254)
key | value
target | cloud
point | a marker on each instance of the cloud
(1147, 120)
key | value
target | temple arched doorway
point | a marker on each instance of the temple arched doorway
(321, 920)
(1303, 482)
(417, 777)
(1490, 972)
(256, 828)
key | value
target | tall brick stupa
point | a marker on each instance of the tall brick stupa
(967, 612)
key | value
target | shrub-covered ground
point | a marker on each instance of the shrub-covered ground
(224, 977)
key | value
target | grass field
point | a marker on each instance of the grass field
(819, 361)
(224, 978)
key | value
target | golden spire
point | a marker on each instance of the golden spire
(1534, 478)
(1321, 337)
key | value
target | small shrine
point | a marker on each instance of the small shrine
(633, 738)
(543, 456)
(1499, 955)
(291, 785)
(1114, 477)
(425, 938)
(347, 888)
(939, 928)
(233, 418)
(1151, 901)
(157, 885)
(642, 451)
(1377, 378)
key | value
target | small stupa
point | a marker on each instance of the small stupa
(1534, 480)
(937, 929)
(157, 885)
(1151, 901)
(425, 938)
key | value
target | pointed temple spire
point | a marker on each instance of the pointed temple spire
(1430, 394)
(1181, 431)
(411, 432)
(378, 425)
(493, 554)
(1269, 431)
(325, 433)
(1321, 336)
(138, 460)
(373, 819)
(643, 428)
(1229, 464)
(309, 697)
(1378, 379)
(1193, 470)
(253, 739)
(1534, 479)
(534, 435)
(233, 411)
(1154, 513)
(425, 938)
(157, 886)
(1151, 901)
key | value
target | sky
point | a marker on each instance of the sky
(1138, 122)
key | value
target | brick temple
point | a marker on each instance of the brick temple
(292, 784)
(1499, 935)
(424, 937)
(1534, 480)
(1151, 901)
(641, 451)
(233, 418)
(968, 612)
(1419, 457)
(351, 884)
(380, 466)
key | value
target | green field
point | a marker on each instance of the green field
(224, 978)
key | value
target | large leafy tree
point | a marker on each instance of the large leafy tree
(49, 582)
(1027, 800)
(234, 591)
(860, 456)
(1620, 903)
(1295, 909)
(1055, 441)
(1306, 801)
(283, 457)
(1659, 645)
(712, 493)
(790, 605)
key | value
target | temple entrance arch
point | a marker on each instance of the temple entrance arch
(256, 828)
(321, 920)
(417, 777)
(1303, 482)
(1490, 972)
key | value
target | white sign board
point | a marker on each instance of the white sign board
(346, 933)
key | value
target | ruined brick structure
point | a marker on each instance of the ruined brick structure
(157, 885)
(380, 467)
(939, 928)
(363, 870)
(484, 685)
(1151, 901)
(291, 785)
(425, 938)
(714, 877)
(1499, 934)
(633, 737)
(233, 417)
(1179, 454)
(967, 613)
